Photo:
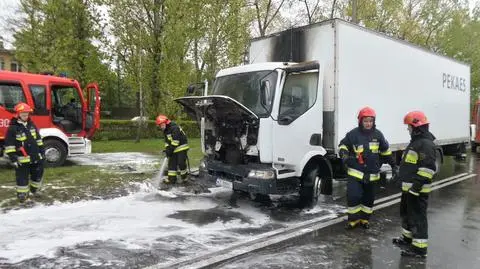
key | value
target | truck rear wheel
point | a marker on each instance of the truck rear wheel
(55, 153)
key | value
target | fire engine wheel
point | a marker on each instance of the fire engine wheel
(55, 153)
(311, 187)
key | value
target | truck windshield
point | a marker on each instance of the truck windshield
(245, 88)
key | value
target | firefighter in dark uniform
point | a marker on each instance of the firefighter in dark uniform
(363, 151)
(416, 172)
(24, 147)
(176, 148)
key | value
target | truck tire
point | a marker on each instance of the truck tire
(55, 153)
(311, 187)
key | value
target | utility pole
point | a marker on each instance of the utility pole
(140, 122)
(354, 11)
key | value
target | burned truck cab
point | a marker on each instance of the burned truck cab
(243, 146)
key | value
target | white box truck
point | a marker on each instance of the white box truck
(273, 126)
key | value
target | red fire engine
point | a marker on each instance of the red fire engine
(66, 116)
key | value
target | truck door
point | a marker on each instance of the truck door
(92, 123)
(298, 129)
(41, 114)
(11, 93)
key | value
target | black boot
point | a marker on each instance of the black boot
(22, 197)
(414, 253)
(402, 242)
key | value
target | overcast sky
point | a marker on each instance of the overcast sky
(8, 8)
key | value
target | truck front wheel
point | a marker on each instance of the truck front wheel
(55, 153)
(311, 187)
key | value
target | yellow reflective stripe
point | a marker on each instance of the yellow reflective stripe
(374, 147)
(175, 142)
(36, 184)
(183, 172)
(23, 189)
(172, 173)
(166, 144)
(414, 193)
(23, 159)
(10, 149)
(355, 173)
(358, 149)
(411, 157)
(406, 233)
(354, 209)
(386, 152)
(33, 133)
(343, 147)
(367, 209)
(426, 188)
(425, 172)
(374, 177)
(169, 137)
(181, 148)
(21, 137)
(40, 142)
(406, 186)
(420, 243)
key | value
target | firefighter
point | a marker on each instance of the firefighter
(24, 147)
(363, 151)
(176, 148)
(417, 169)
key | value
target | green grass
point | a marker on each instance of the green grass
(151, 146)
(74, 182)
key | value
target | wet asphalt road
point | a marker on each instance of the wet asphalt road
(219, 222)
(454, 235)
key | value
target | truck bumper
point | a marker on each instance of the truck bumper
(79, 146)
(251, 178)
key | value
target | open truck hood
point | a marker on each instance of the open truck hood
(216, 108)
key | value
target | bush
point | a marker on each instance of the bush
(126, 129)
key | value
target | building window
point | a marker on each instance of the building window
(14, 66)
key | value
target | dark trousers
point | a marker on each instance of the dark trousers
(413, 210)
(360, 199)
(177, 165)
(29, 178)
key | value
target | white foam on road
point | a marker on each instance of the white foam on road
(134, 221)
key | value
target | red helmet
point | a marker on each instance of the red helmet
(162, 119)
(22, 107)
(366, 112)
(415, 118)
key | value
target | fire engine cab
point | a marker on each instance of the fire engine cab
(66, 116)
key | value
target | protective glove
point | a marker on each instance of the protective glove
(168, 152)
(415, 189)
(16, 165)
(344, 154)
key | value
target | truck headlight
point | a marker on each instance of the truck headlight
(261, 174)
